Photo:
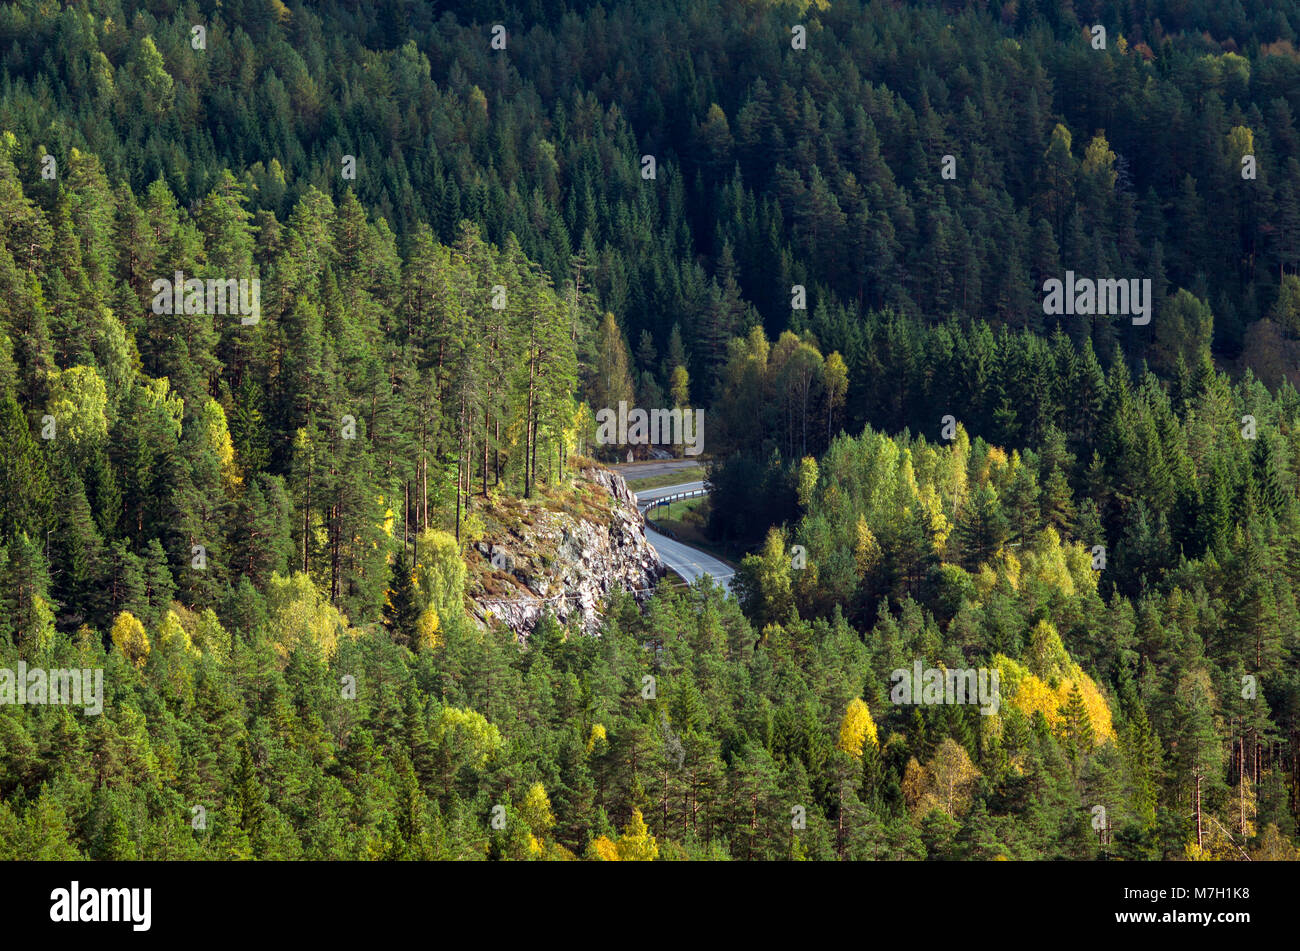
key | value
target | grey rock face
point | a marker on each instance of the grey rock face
(567, 564)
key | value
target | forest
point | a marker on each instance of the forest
(834, 242)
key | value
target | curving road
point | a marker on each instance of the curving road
(690, 563)
(646, 496)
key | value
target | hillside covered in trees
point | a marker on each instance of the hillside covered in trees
(467, 241)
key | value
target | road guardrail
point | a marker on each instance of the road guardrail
(652, 504)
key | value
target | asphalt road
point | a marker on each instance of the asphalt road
(648, 470)
(690, 563)
(649, 495)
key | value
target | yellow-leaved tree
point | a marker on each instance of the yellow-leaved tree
(129, 637)
(209, 636)
(428, 629)
(78, 401)
(174, 649)
(463, 738)
(440, 576)
(857, 729)
(536, 812)
(298, 614)
(216, 437)
(807, 480)
(763, 580)
(172, 637)
(867, 554)
(636, 844)
(944, 783)
(1047, 684)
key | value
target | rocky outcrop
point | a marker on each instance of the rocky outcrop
(564, 558)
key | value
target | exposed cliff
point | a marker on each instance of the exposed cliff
(563, 552)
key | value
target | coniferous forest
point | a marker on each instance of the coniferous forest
(443, 238)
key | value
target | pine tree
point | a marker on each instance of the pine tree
(26, 505)
(401, 604)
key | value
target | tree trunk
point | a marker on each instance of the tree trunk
(306, 519)
(1200, 836)
(529, 430)
(459, 463)
(423, 508)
